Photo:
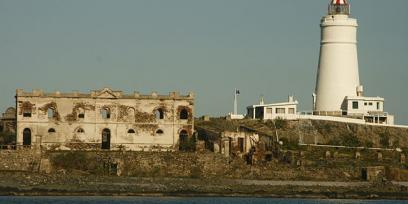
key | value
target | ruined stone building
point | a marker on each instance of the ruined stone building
(104, 119)
(8, 121)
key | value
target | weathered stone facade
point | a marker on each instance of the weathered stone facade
(8, 121)
(103, 119)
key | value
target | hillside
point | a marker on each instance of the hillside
(312, 132)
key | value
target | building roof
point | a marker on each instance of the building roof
(275, 104)
(364, 98)
(105, 93)
(339, 2)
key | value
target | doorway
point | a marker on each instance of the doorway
(106, 135)
(27, 137)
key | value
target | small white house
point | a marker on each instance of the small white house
(285, 110)
(371, 109)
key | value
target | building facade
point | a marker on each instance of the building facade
(371, 109)
(284, 110)
(104, 119)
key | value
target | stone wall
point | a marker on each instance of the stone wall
(310, 163)
(164, 164)
(19, 160)
(307, 164)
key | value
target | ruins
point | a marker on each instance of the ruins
(104, 119)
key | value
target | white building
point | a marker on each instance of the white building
(371, 109)
(338, 89)
(284, 110)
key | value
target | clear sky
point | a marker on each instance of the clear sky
(268, 47)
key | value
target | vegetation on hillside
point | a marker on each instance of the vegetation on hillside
(311, 132)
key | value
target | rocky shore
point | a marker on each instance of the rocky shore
(81, 184)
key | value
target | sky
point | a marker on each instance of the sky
(210, 47)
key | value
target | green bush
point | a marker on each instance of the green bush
(368, 144)
(7, 139)
(335, 142)
(189, 144)
(72, 160)
(288, 144)
(385, 139)
(351, 140)
(280, 123)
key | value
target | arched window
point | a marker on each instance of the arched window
(26, 136)
(159, 132)
(105, 113)
(81, 113)
(131, 131)
(51, 130)
(183, 114)
(50, 113)
(159, 114)
(106, 136)
(80, 130)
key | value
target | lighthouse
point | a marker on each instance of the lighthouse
(338, 90)
(337, 75)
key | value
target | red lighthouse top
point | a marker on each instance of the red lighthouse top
(339, 2)
(339, 7)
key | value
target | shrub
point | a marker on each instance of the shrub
(71, 160)
(368, 144)
(289, 144)
(351, 140)
(7, 139)
(385, 139)
(280, 123)
(189, 144)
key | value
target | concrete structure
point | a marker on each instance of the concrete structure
(338, 89)
(8, 121)
(234, 115)
(240, 142)
(104, 119)
(285, 110)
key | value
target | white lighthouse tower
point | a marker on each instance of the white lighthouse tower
(337, 75)
(338, 90)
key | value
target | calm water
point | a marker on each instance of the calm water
(148, 200)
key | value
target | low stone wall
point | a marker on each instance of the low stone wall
(161, 164)
(24, 159)
(310, 163)
(208, 165)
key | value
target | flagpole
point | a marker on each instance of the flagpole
(235, 102)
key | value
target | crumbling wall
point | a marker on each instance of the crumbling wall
(26, 105)
(25, 159)
(56, 116)
(73, 116)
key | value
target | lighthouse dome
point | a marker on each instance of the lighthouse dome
(339, 2)
(339, 7)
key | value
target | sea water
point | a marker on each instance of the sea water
(174, 200)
